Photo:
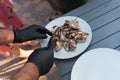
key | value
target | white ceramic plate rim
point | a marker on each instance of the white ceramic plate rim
(77, 70)
(62, 54)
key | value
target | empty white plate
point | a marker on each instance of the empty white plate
(97, 64)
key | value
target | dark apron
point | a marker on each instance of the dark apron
(65, 5)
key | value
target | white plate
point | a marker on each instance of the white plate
(97, 64)
(63, 54)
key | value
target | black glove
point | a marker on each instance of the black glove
(43, 58)
(31, 33)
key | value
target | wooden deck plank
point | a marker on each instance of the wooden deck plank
(67, 77)
(97, 12)
(66, 66)
(106, 31)
(112, 42)
(87, 7)
(105, 19)
(118, 48)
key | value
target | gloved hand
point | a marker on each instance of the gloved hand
(31, 33)
(43, 58)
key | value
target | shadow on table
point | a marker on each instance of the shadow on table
(9, 66)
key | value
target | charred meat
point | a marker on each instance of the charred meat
(68, 35)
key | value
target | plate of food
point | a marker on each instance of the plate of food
(97, 64)
(73, 35)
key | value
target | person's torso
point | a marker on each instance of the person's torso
(8, 18)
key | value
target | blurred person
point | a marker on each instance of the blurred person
(10, 20)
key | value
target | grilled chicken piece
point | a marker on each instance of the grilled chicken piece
(69, 34)
(58, 46)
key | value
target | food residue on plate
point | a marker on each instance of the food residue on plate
(68, 35)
